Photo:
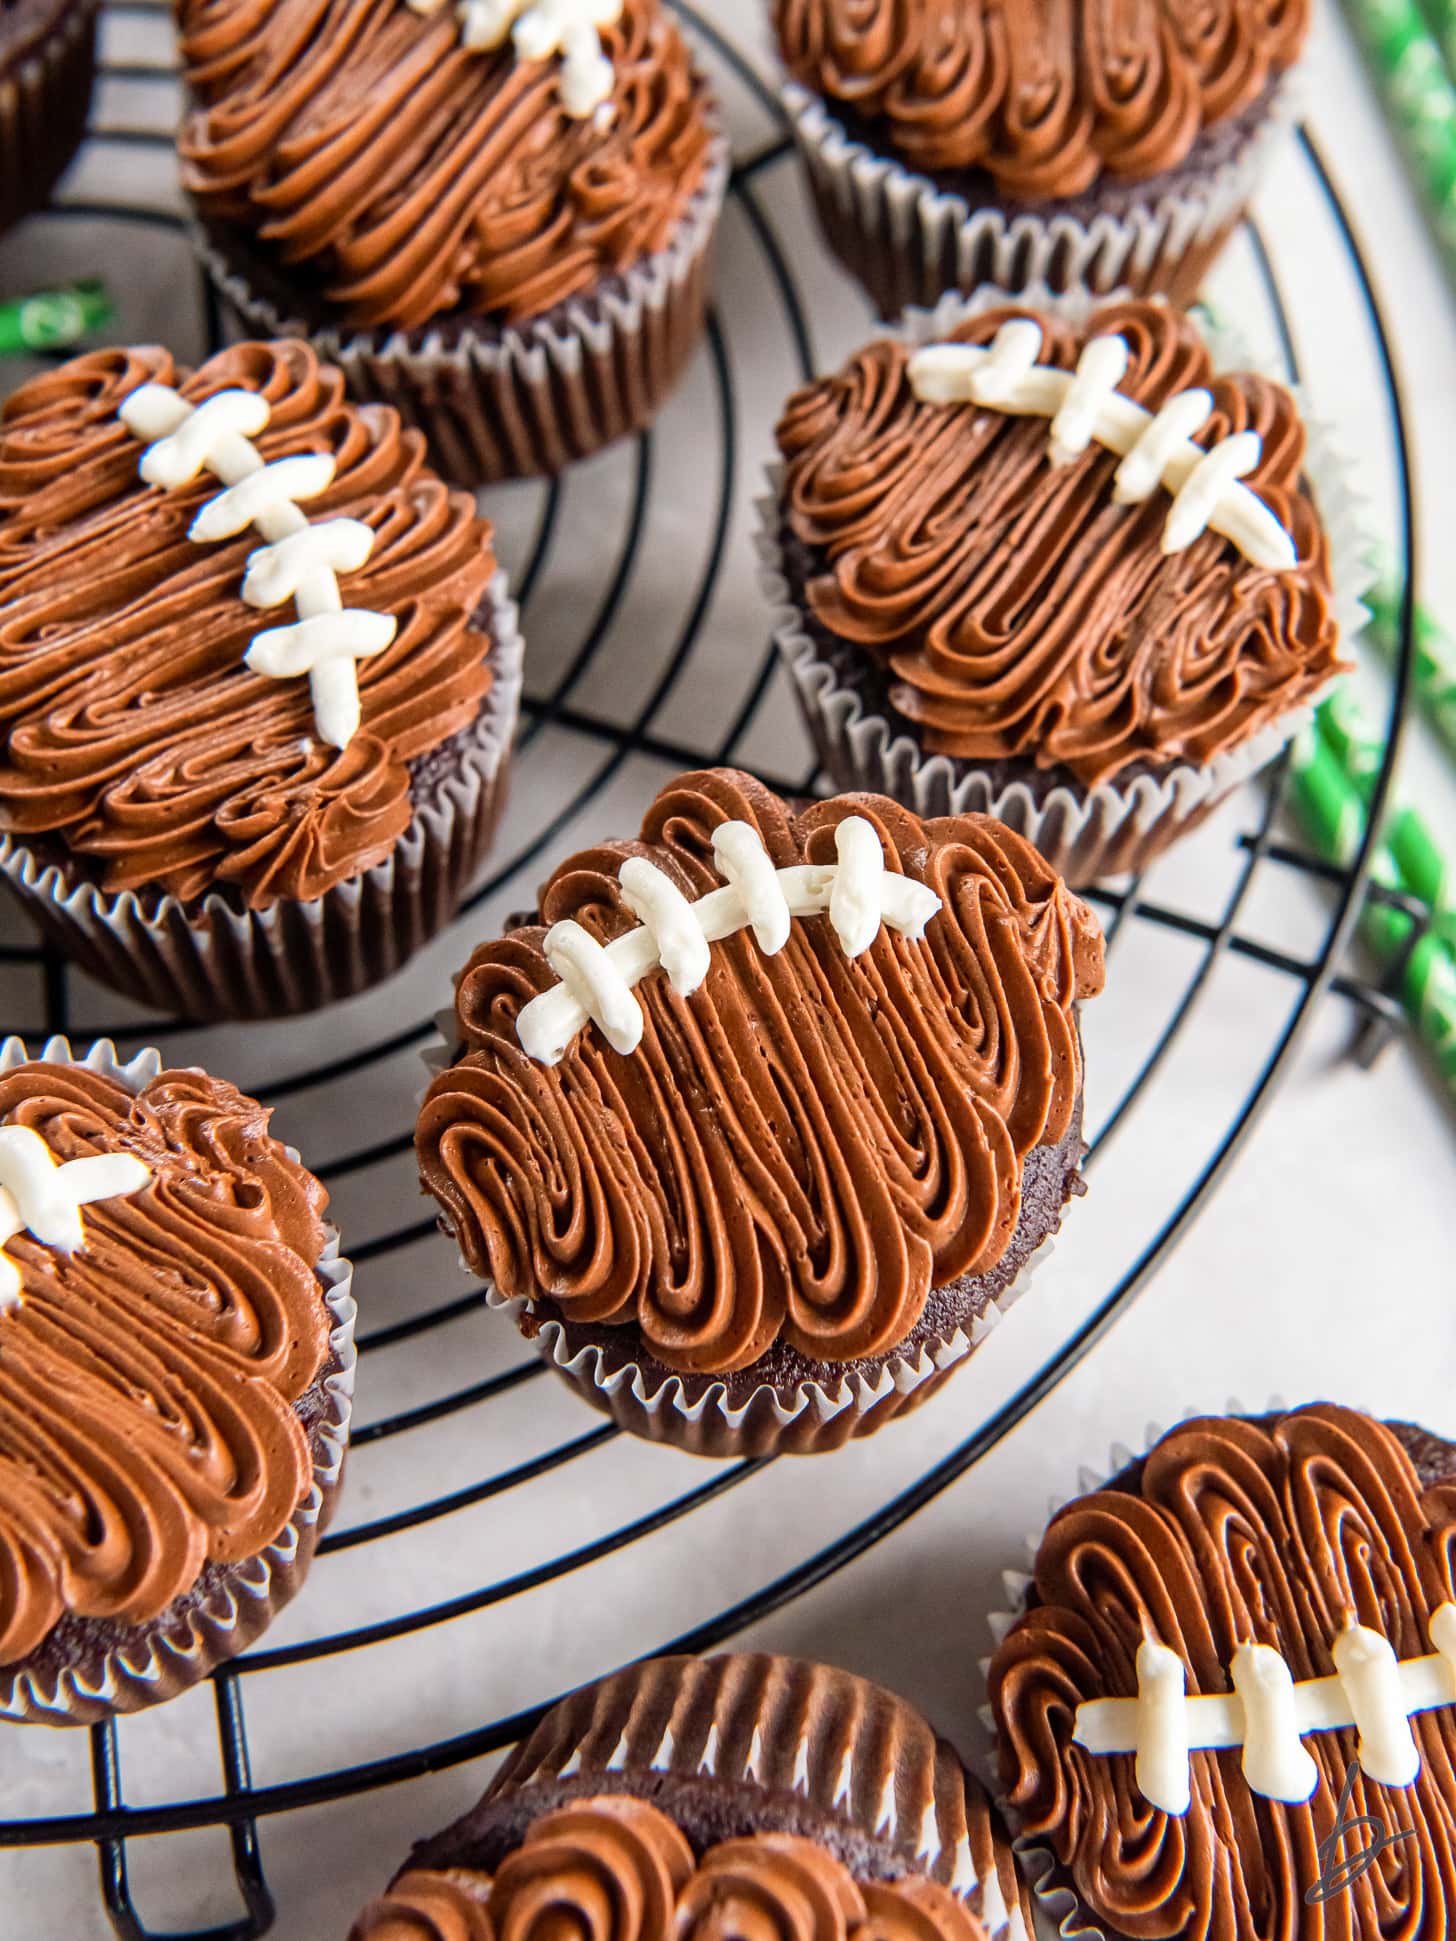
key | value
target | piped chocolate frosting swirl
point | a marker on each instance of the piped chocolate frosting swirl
(1230, 1532)
(399, 176)
(132, 736)
(1042, 96)
(148, 1381)
(1016, 608)
(808, 1143)
(620, 1869)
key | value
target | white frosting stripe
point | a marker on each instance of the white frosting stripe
(1086, 405)
(740, 855)
(1370, 1675)
(858, 892)
(1162, 1728)
(303, 560)
(41, 1197)
(1275, 1763)
(1268, 1714)
(538, 29)
(657, 902)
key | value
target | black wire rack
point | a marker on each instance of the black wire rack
(241, 1807)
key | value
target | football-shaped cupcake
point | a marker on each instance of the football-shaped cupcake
(1228, 1706)
(176, 1376)
(258, 678)
(1061, 569)
(759, 1125)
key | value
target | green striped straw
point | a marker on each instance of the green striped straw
(1406, 841)
(1420, 100)
(1441, 19)
(1335, 764)
(1433, 675)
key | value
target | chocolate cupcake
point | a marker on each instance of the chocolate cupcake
(47, 70)
(759, 1127)
(215, 812)
(176, 1377)
(497, 217)
(702, 1797)
(1228, 1704)
(1056, 570)
(955, 143)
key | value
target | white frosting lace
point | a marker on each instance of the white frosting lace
(1085, 405)
(302, 562)
(41, 1197)
(539, 29)
(674, 935)
(1268, 1714)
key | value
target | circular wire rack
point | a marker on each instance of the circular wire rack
(605, 720)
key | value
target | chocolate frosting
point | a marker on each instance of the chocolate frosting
(1019, 610)
(621, 1870)
(1233, 1532)
(404, 176)
(130, 729)
(1044, 96)
(808, 1143)
(147, 1381)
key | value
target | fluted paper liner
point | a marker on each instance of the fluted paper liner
(204, 1627)
(804, 1420)
(212, 959)
(527, 399)
(1083, 834)
(832, 1756)
(1039, 1865)
(44, 101)
(908, 241)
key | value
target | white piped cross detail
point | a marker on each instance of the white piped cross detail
(302, 561)
(674, 935)
(40, 1196)
(1085, 405)
(1268, 1714)
(538, 29)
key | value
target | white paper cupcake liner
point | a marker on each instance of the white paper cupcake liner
(831, 1754)
(807, 1419)
(211, 959)
(1039, 1865)
(528, 399)
(205, 1627)
(907, 241)
(1100, 831)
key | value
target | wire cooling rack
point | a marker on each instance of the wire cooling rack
(497, 1543)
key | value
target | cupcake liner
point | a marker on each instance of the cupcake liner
(907, 241)
(1039, 1865)
(806, 1420)
(526, 399)
(212, 959)
(1086, 834)
(212, 1622)
(831, 1754)
(44, 101)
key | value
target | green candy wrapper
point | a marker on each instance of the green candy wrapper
(51, 319)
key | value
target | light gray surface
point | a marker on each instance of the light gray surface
(1322, 1268)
